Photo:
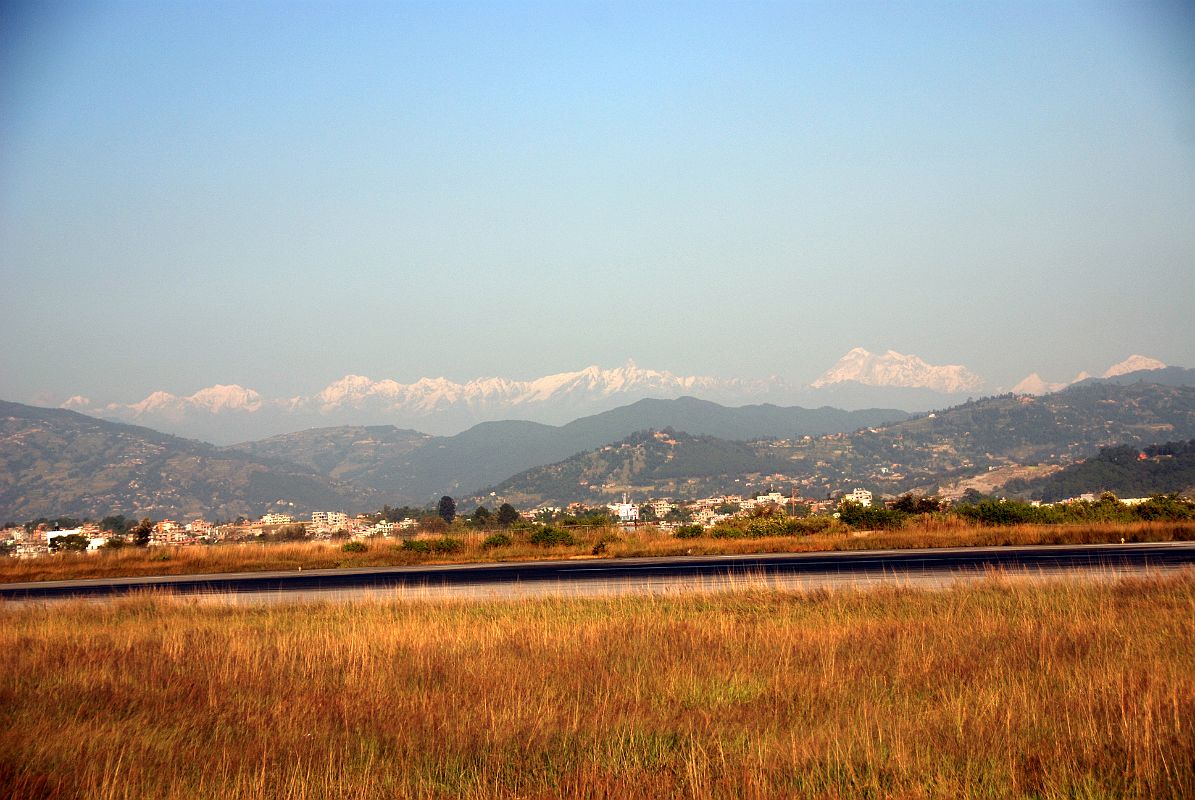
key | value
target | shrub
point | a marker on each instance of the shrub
(354, 547)
(497, 540)
(812, 524)
(858, 515)
(446, 544)
(724, 530)
(548, 536)
(689, 531)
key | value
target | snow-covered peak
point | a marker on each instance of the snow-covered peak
(220, 398)
(76, 402)
(1036, 385)
(900, 370)
(1134, 363)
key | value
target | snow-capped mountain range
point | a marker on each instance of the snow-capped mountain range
(225, 414)
(897, 369)
(231, 413)
(1035, 384)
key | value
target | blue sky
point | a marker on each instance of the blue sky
(276, 194)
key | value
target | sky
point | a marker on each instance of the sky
(278, 194)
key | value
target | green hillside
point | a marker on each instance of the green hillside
(412, 468)
(648, 463)
(920, 453)
(55, 462)
(1124, 470)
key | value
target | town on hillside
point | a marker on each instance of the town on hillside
(667, 515)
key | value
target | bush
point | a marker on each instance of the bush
(858, 515)
(548, 536)
(689, 531)
(724, 530)
(354, 547)
(812, 524)
(497, 540)
(444, 544)
(1006, 512)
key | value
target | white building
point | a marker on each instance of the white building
(277, 519)
(329, 519)
(860, 496)
(625, 511)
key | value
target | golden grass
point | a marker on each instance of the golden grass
(992, 690)
(231, 557)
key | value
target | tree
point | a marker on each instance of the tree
(71, 543)
(447, 509)
(481, 516)
(915, 504)
(507, 515)
(141, 532)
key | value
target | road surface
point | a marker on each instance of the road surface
(928, 567)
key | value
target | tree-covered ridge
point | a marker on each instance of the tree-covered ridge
(55, 462)
(930, 450)
(659, 463)
(377, 456)
(1124, 470)
(915, 454)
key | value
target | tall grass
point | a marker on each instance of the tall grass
(929, 531)
(992, 690)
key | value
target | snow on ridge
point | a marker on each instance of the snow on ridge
(429, 395)
(898, 370)
(1134, 363)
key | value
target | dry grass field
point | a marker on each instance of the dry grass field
(615, 543)
(1001, 689)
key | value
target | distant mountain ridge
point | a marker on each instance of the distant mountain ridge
(895, 369)
(921, 453)
(1135, 366)
(230, 413)
(57, 462)
(417, 471)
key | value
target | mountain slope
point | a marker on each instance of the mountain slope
(413, 471)
(226, 414)
(57, 462)
(920, 453)
(895, 369)
(1124, 470)
(648, 463)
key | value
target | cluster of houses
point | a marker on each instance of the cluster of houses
(666, 513)
(706, 511)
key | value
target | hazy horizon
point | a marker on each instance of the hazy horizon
(277, 195)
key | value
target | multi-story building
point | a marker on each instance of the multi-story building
(661, 508)
(333, 520)
(276, 519)
(860, 496)
(168, 532)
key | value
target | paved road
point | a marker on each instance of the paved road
(934, 566)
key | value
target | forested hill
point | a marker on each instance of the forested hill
(55, 462)
(414, 468)
(664, 463)
(1124, 470)
(922, 453)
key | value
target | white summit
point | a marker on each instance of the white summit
(897, 369)
(1133, 363)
